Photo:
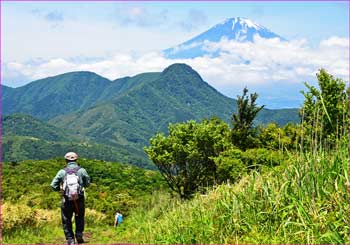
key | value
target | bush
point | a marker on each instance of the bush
(275, 138)
(19, 216)
(254, 158)
(234, 163)
(230, 165)
(16, 216)
(92, 217)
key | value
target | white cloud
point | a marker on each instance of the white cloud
(140, 16)
(195, 18)
(280, 60)
(184, 47)
(335, 41)
(264, 63)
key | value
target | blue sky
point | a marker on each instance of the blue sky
(40, 39)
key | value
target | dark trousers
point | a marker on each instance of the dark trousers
(67, 210)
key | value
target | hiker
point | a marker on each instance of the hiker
(118, 218)
(71, 181)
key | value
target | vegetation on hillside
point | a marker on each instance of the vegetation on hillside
(288, 184)
(26, 137)
(243, 133)
(28, 200)
(299, 197)
(119, 116)
(185, 156)
(325, 110)
(304, 200)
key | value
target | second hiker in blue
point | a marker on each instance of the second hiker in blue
(71, 181)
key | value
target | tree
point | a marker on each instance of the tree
(273, 137)
(243, 134)
(184, 157)
(324, 109)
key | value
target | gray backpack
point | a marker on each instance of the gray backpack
(71, 184)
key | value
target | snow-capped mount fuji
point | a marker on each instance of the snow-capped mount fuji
(238, 29)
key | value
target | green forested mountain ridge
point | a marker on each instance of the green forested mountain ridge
(26, 137)
(178, 94)
(74, 91)
(123, 114)
(53, 96)
(175, 95)
(279, 116)
(62, 94)
(26, 125)
(6, 91)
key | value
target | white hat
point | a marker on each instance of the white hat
(71, 156)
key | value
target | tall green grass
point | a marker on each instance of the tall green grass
(302, 201)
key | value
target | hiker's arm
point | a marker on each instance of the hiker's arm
(85, 178)
(55, 184)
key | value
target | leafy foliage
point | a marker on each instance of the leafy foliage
(324, 111)
(279, 138)
(243, 133)
(232, 164)
(184, 157)
(304, 201)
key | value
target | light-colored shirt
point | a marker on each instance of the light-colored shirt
(84, 178)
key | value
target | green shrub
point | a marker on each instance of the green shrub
(275, 138)
(20, 216)
(17, 216)
(255, 158)
(230, 165)
(234, 163)
(92, 217)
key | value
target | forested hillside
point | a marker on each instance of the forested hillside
(217, 183)
(25, 137)
(116, 117)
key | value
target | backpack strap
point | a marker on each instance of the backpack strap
(72, 170)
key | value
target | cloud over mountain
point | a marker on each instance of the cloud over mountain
(228, 63)
(236, 29)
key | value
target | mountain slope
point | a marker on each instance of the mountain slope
(177, 95)
(53, 96)
(26, 125)
(238, 29)
(65, 93)
(26, 137)
(117, 118)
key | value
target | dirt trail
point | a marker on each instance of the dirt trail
(87, 238)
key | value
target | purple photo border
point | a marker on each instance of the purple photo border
(213, 1)
(150, 1)
(1, 122)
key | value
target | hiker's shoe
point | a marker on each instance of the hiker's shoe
(70, 242)
(80, 239)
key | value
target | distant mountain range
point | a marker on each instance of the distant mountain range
(103, 119)
(237, 29)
